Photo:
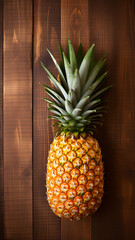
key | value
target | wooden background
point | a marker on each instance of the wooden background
(27, 27)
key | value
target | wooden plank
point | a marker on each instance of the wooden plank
(113, 30)
(74, 16)
(74, 22)
(46, 34)
(1, 127)
(18, 119)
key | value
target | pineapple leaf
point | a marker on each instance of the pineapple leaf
(82, 102)
(54, 111)
(96, 116)
(51, 91)
(53, 117)
(55, 82)
(61, 53)
(59, 70)
(68, 106)
(72, 97)
(95, 84)
(100, 92)
(76, 112)
(84, 121)
(49, 101)
(91, 104)
(93, 74)
(61, 110)
(76, 84)
(87, 113)
(72, 56)
(76, 104)
(84, 67)
(99, 108)
(79, 55)
(92, 62)
(55, 99)
(69, 72)
(62, 61)
(79, 125)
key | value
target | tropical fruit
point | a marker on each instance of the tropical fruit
(74, 177)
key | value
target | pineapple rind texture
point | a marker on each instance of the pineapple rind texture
(74, 176)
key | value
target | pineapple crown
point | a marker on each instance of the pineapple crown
(77, 104)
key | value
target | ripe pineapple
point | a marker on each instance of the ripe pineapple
(75, 169)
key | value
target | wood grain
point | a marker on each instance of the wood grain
(46, 34)
(113, 30)
(33, 25)
(74, 24)
(1, 127)
(18, 119)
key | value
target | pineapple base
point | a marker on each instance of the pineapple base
(74, 176)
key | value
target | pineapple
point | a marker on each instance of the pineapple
(75, 168)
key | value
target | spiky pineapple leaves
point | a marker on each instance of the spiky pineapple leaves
(77, 104)
(79, 56)
(72, 57)
(85, 64)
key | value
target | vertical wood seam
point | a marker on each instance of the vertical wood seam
(1, 130)
(33, 119)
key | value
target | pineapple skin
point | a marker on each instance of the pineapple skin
(74, 176)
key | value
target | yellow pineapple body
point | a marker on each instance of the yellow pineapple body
(74, 176)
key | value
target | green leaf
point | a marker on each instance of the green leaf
(49, 101)
(72, 97)
(68, 106)
(61, 53)
(87, 113)
(53, 117)
(69, 72)
(72, 56)
(59, 70)
(61, 110)
(55, 99)
(55, 82)
(76, 134)
(79, 125)
(96, 116)
(76, 84)
(78, 118)
(82, 102)
(84, 67)
(93, 74)
(92, 62)
(76, 112)
(97, 94)
(95, 84)
(84, 121)
(79, 55)
(91, 104)
(54, 93)
(54, 124)
(72, 123)
(54, 111)
(100, 108)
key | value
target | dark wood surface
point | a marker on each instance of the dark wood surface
(114, 23)
(1, 127)
(17, 106)
(27, 27)
(46, 34)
